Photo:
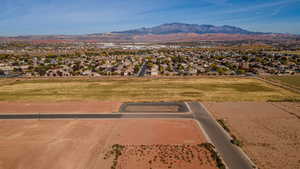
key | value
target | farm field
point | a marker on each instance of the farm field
(138, 90)
(292, 81)
(106, 144)
(269, 131)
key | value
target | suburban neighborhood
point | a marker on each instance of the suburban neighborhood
(128, 60)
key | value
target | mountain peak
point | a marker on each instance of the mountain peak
(171, 28)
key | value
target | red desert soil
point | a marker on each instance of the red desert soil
(270, 131)
(70, 144)
(59, 107)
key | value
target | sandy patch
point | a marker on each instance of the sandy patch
(271, 135)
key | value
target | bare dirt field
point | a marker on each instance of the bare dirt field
(291, 107)
(59, 107)
(105, 144)
(270, 132)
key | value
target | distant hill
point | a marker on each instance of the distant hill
(172, 28)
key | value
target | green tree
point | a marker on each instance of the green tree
(180, 67)
(137, 68)
(41, 70)
(284, 60)
(213, 66)
(161, 69)
(221, 70)
(241, 71)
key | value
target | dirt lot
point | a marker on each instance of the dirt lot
(270, 132)
(91, 144)
(59, 107)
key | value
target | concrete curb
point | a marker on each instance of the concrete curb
(187, 105)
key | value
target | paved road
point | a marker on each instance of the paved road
(232, 156)
(142, 71)
(95, 116)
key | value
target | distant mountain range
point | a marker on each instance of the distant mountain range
(171, 32)
(172, 28)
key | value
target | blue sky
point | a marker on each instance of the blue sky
(27, 17)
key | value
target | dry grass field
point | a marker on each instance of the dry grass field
(296, 52)
(292, 81)
(147, 89)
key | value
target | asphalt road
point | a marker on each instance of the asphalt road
(142, 71)
(231, 154)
